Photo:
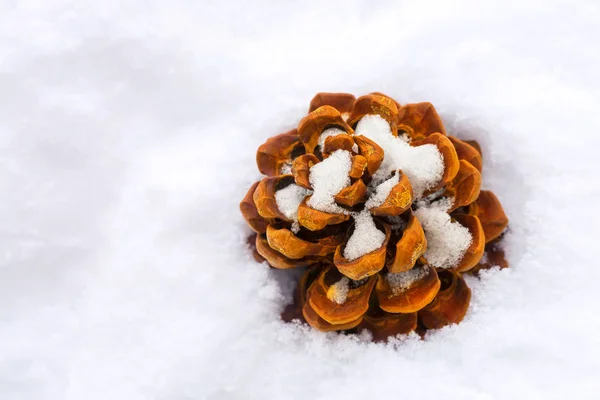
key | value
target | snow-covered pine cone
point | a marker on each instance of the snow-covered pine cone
(383, 208)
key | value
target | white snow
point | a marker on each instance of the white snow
(128, 132)
(365, 238)
(447, 241)
(382, 191)
(327, 178)
(400, 281)
(286, 169)
(423, 165)
(288, 199)
(338, 292)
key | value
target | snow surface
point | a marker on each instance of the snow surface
(127, 138)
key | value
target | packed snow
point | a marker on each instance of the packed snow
(423, 165)
(365, 238)
(327, 178)
(447, 240)
(128, 132)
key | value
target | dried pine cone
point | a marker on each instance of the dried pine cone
(382, 207)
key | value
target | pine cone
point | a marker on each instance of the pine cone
(382, 207)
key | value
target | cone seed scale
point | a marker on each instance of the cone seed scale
(381, 208)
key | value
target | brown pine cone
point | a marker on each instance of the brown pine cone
(383, 208)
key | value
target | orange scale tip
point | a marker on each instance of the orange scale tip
(419, 120)
(410, 247)
(451, 303)
(312, 125)
(291, 246)
(359, 165)
(250, 212)
(449, 157)
(371, 151)
(377, 104)
(467, 152)
(343, 102)
(409, 291)
(338, 300)
(465, 187)
(338, 142)
(398, 201)
(316, 220)
(277, 151)
(385, 95)
(301, 169)
(278, 260)
(251, 242)
(488, 209)
(314, 320)
(366, 265)
(384, 325)
(475, 251)
(352, 195)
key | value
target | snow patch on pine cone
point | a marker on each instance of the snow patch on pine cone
(288, 200)
(327, 178)
(423, 165)
(365, 238)
(401, 281)
(447, 241)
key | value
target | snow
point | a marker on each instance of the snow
(365, 238)
(127, 139)
(338, 292)
(288, 199)
(447, 241)
(286, 169)
(382, 191)
(327, 178)
(400, 281)
(423, 165)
